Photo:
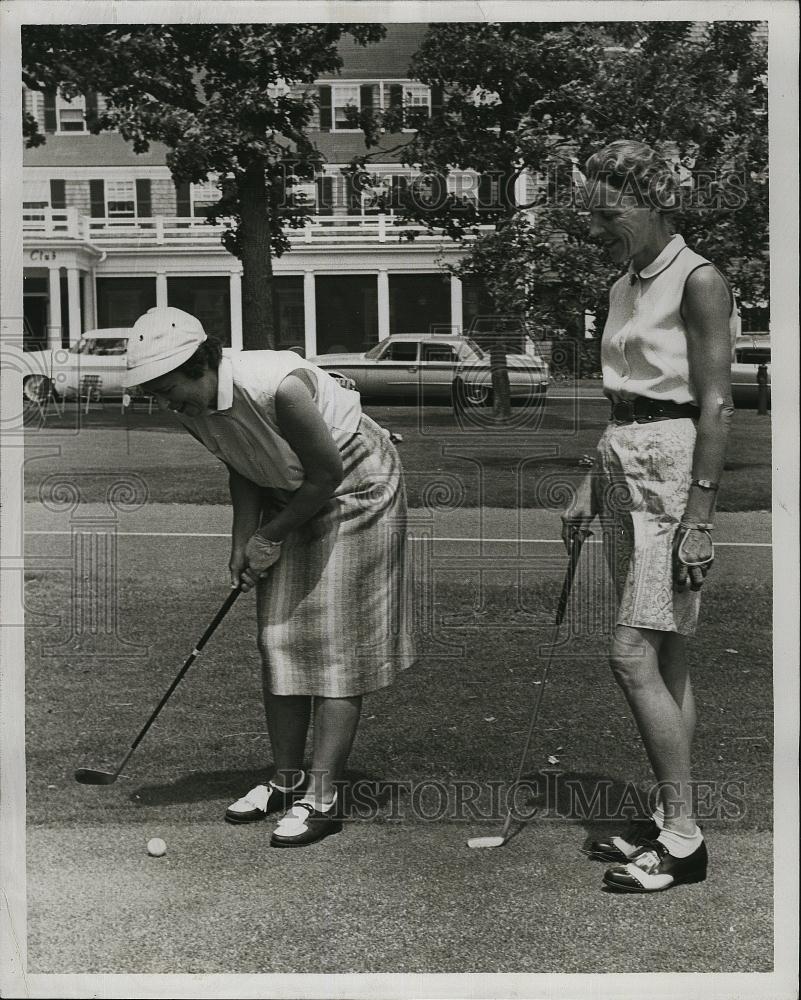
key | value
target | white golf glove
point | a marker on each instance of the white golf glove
(261, 553)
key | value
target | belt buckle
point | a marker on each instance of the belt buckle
(623, 411)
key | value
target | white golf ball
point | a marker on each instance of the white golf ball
(156, 847)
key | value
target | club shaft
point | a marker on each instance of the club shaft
(575, 551)
(225, 608)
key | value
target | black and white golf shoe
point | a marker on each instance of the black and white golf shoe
(626, 844)
(653, 868)
(261, 801)
(303, 825)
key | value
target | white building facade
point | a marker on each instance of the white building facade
(108, 233)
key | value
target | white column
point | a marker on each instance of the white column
(74, 304)
(89, 307)
(161, 289)
(54, 314)
(235, 287)
(457, 318)
(383, 304)
(310, 313)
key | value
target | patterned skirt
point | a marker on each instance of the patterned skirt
(641, 489)
(333, 612)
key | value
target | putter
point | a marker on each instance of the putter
(91, 776)
(576, 541)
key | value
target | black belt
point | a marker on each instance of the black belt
(643, 410)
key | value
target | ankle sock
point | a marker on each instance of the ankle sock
(318, 804)
(658, 817)
(681, 845)
(290, 788)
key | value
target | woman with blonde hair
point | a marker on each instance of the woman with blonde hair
(666, 358)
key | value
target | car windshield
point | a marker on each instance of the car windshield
(100, 345)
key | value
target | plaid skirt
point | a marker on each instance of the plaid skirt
(644, 473)
(333, 613)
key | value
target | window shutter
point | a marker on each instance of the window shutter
(436, 101)
(58, 194)
(91, 105)
(325, 195)
(143, 207)
(97, 199)
(325, 109)
(183, 203)
(366, 99)
(396, 95)
(50, 110)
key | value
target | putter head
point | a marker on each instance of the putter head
(486, 842)
(88, 776)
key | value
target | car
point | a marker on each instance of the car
(751, 351)
(93, 365)
(409, 367)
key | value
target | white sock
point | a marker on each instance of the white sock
(681, 845)
(290, 788)
(658, 816)
(318, 804)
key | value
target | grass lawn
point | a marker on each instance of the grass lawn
(447, 464)
(459, 715)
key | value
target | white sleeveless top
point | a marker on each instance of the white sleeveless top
(243, 431)
(644, 343)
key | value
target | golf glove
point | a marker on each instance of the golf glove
(261, 553)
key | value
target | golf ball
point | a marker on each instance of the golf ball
(156, 847)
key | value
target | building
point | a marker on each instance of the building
(108, 234)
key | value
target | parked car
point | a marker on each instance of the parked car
(751, 350)
(435, 368)
(95, 364)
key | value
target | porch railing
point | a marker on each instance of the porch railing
(318, 230)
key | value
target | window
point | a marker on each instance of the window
(439, 352)
(415, 95)
(401, 350)
(344, 96)
(121, 199)
(35, 194)
(70, 114)
(204, 194)
(100, 346)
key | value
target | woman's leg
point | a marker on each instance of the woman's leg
(675, 673)
(335, 724)
(635, 662)
(287, 723)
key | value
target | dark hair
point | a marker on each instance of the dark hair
(636, 168)
(206, 356)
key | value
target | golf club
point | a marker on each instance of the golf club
(576, 541)
(91, 776)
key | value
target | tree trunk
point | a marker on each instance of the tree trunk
(258, 325)
(501, 402)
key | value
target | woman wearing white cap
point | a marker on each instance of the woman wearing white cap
(319, 525)
(666, 358)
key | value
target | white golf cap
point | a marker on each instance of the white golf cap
(160, 342)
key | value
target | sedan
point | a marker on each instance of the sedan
(751, 351)
(435, 369)
(93, 366)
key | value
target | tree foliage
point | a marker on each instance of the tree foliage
(543, 97)
(235, 100)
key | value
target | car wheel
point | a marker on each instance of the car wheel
(37, 388)
(468, 395)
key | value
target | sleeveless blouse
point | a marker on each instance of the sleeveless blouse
(243, 431)
(644, 343)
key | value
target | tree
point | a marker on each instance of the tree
(234, 100)
(542, 97)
